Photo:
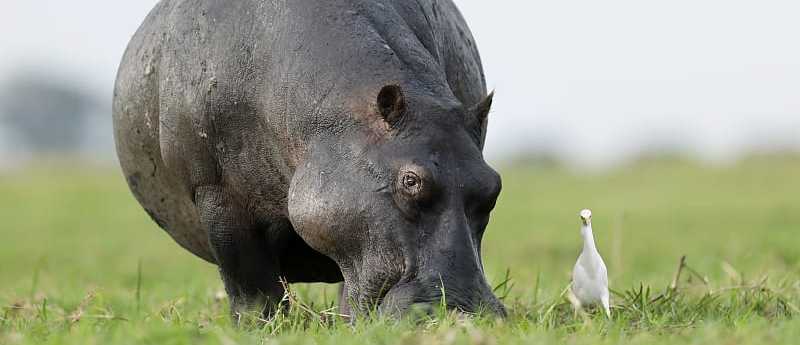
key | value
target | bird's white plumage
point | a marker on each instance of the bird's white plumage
(589, 277)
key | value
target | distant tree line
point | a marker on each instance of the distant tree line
(44, 114)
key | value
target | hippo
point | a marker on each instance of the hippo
(328, 141)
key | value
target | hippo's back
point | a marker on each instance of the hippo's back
(212, 90)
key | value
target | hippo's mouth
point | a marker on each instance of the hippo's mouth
(409, 298)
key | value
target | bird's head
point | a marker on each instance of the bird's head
(586, 216)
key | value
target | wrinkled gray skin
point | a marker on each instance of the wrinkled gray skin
(319, 141)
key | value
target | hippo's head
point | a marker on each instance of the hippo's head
(400, 200)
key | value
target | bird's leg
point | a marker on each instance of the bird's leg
(606, 306)
(576, 304)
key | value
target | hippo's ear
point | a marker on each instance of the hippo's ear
(391, 103)
(476, 118)
(481, 110)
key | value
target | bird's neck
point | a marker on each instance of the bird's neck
(588, 238)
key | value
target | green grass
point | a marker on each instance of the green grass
(81, 263)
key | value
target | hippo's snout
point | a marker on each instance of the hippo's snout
(415, 297)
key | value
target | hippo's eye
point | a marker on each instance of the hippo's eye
(411, 184)
(412, 187)
(410, 180)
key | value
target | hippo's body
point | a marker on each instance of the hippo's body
(316, 141)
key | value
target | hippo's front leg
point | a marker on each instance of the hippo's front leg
(344, 301)
(245, 260)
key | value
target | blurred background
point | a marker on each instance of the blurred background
(678, 122)
(585, 83)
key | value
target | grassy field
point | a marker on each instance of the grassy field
(81, 263)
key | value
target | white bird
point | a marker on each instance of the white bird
(589, 277)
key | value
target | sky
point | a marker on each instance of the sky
(592, 83)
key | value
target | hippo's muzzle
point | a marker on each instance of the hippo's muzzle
(428, 296)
